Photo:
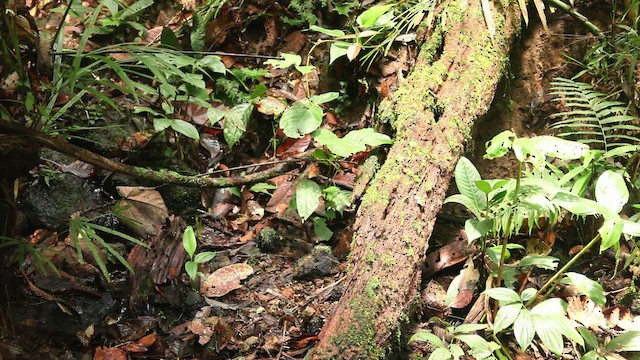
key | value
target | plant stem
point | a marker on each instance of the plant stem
(560, 272)
(505, 238)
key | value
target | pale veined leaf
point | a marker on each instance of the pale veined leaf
(523, 329)
(611, 191)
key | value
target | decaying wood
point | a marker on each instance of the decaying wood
(453, 83)
(60, 144)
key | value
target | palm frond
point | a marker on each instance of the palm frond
(591, 118)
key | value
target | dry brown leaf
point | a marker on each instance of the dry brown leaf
(270, 106)
(462, 287)
(145, 210)
(109, 354)
(225, 280)
(281, 197)
(586, 312)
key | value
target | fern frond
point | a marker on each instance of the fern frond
(591, 118)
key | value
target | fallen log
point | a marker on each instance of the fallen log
(433, 112)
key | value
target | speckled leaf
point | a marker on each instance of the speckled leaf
(225, 280)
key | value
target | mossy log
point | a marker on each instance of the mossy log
(433, 112)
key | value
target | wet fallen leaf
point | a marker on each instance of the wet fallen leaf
(461, 289)
(79, 169)
(225, 280)
(280, 199)
(145, 209)
(448, 255)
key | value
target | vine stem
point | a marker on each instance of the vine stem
(560, 272)
(505, 238)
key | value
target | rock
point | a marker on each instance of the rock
(319, 262)
(50, 206)
(268, 240)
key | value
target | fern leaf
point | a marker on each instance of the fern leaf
(591, 117)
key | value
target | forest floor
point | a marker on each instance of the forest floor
(273, 281)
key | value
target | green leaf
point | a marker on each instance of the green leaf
(185, 129)
(505, 316)
(476, 229)
(543, 262)
(611, 191)
(550, 307)
(324, 98)
(478, 346)
(337, 198)
(466, 176)
(428, 337)
(588, 287)
(287, 61)
(523, 329)
(441, 353)
(307, 198)
(559, 148)
(468, 328)
(354, 142)
(160, 124)
(189, 241)
(548, 333)
(610, 231)
(590, 339)
(628, 341)
(321, 230)
(500, 144)
(168, 38)
(235, 122)
(456, 351)
(204, 257)
(337, 50)
(369, 17)
(301, 119)
(330, 32)
(503, 294)
(191, 267)
(134, 9)
(577, 205)
(262, 188)
(213, 63)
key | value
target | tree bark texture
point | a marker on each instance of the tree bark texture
(433, 111)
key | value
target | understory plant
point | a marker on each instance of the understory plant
(553, 181)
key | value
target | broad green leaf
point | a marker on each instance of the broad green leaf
(456, 351)
(213, 63)
(235, 122)
(168, 38)
(466, 176)
(214, 115)
(631, 228)
(441, 353)
(559, 148)
(550, 307)
(625, 150)
(337, 50)
(204, 257)
(505, 316)
(134, 8)
(610, 231)
(503, 294)
(523, 329)
(577, 205)
(369, 17)
(191, 267)
(500, 144)
(185, 129)
(307, 198)
(330, 32)
(568, 329)
(189, 241)
(543, 262)
(337, 198)
(527, 294)
(160, 124)
(427, 336)
(465, 201)
(301, 119)
(588, 287)
(591, 341)
(467, 328)
(321, 230)
(287, 61)
(628, 341)
(476, 229)
(478, 346)
(354, 142)
(324, 98)
(548, 333)
(611, 191)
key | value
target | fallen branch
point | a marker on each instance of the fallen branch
(159, 176)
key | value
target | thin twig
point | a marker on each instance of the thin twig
(189, 52)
